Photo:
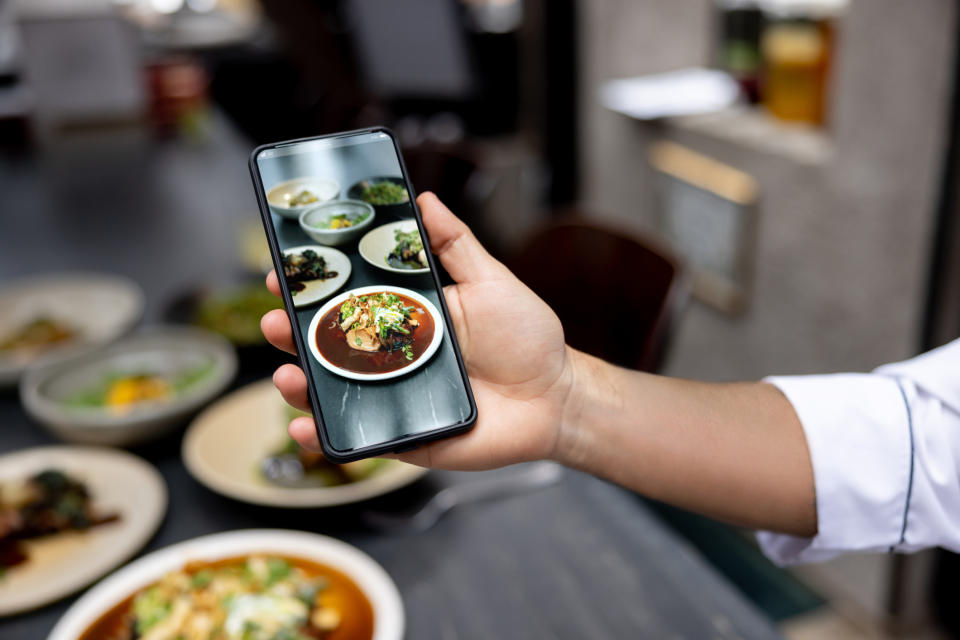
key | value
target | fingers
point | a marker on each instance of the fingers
(292, 383)
(275, 326)
(304, 431)
(462, 255)
(273, 284)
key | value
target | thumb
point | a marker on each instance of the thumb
(459, 251)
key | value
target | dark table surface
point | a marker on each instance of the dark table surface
(581, 559)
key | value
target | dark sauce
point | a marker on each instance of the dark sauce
(394, 261)
(356, 613)
(333, 343)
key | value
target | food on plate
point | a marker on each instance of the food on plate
(304, 266)
(44, 504)
(383, 193)
(408, 252)
(37, 335)
(236, 314)
(254, 597)
(375, 332)
(292, 465)
(305, 196)
(121, 392)
(343, 220)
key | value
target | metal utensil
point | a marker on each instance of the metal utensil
(531, 477)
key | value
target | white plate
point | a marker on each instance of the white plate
(378, 243)
(254, 421)
(100, 307)
(279, 195)
(376, 584)
(317, 290)
(60, 564)
(353, 375)
(163, 350)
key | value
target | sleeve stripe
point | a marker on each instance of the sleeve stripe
(906, 506)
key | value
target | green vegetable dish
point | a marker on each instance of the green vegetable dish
(120, 392)
(408, 252)
(383, 193)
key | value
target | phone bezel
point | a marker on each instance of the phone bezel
(404, 443)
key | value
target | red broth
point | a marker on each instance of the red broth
(342, 594)
(333, 343)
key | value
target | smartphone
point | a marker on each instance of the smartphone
(359, 283)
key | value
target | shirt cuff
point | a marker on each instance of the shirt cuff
(858, 433)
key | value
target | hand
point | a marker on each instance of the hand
(512, 345)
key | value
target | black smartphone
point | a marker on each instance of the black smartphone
(359, 283)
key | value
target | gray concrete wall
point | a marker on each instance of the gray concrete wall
(842, 253)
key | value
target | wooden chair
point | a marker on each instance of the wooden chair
(617, 294)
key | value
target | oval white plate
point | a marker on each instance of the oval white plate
(378, 243)
(317, 290)
(100, 307)
(323, 188)
(353, 375)
(254, 420)
(376, 584)
(63, 563)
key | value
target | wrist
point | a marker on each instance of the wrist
(571, 444)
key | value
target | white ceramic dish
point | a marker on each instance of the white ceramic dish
(380, 242)
(280, 194)
(312, 219)
(99, 307)
(375, 583)
(425, 304)
(61, 564)
(317, 290)
(160, 351)
(254, 420)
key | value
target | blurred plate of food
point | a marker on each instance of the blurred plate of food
(264, 466)
(290, 198)
(135, 390)
(337, 222)
(395, 247)
(314, 272)
(68, 515)
(255, 584)
(233, 309)
(375, 333)
(387, 194)
(44, 318)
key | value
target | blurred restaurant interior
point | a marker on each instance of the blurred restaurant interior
(769, 186)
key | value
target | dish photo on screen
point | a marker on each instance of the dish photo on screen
(381, 360)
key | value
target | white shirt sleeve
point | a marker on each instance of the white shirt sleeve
(885, 449)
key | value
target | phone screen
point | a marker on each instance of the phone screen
(380, 352)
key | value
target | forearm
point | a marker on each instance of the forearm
(736, 452)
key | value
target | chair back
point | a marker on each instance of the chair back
(616, 293)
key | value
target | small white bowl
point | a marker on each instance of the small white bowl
(44, 391)
(311, 220)
(279, 195)
(370, 577)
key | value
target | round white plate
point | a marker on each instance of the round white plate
(61, 564)
(376, 584)
(278, 196)
(99, 307)
(378, 243)
(425, 304)
(317, 290)
(254, 421)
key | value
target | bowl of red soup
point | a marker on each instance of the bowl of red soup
(257, 584)
(375, 333)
